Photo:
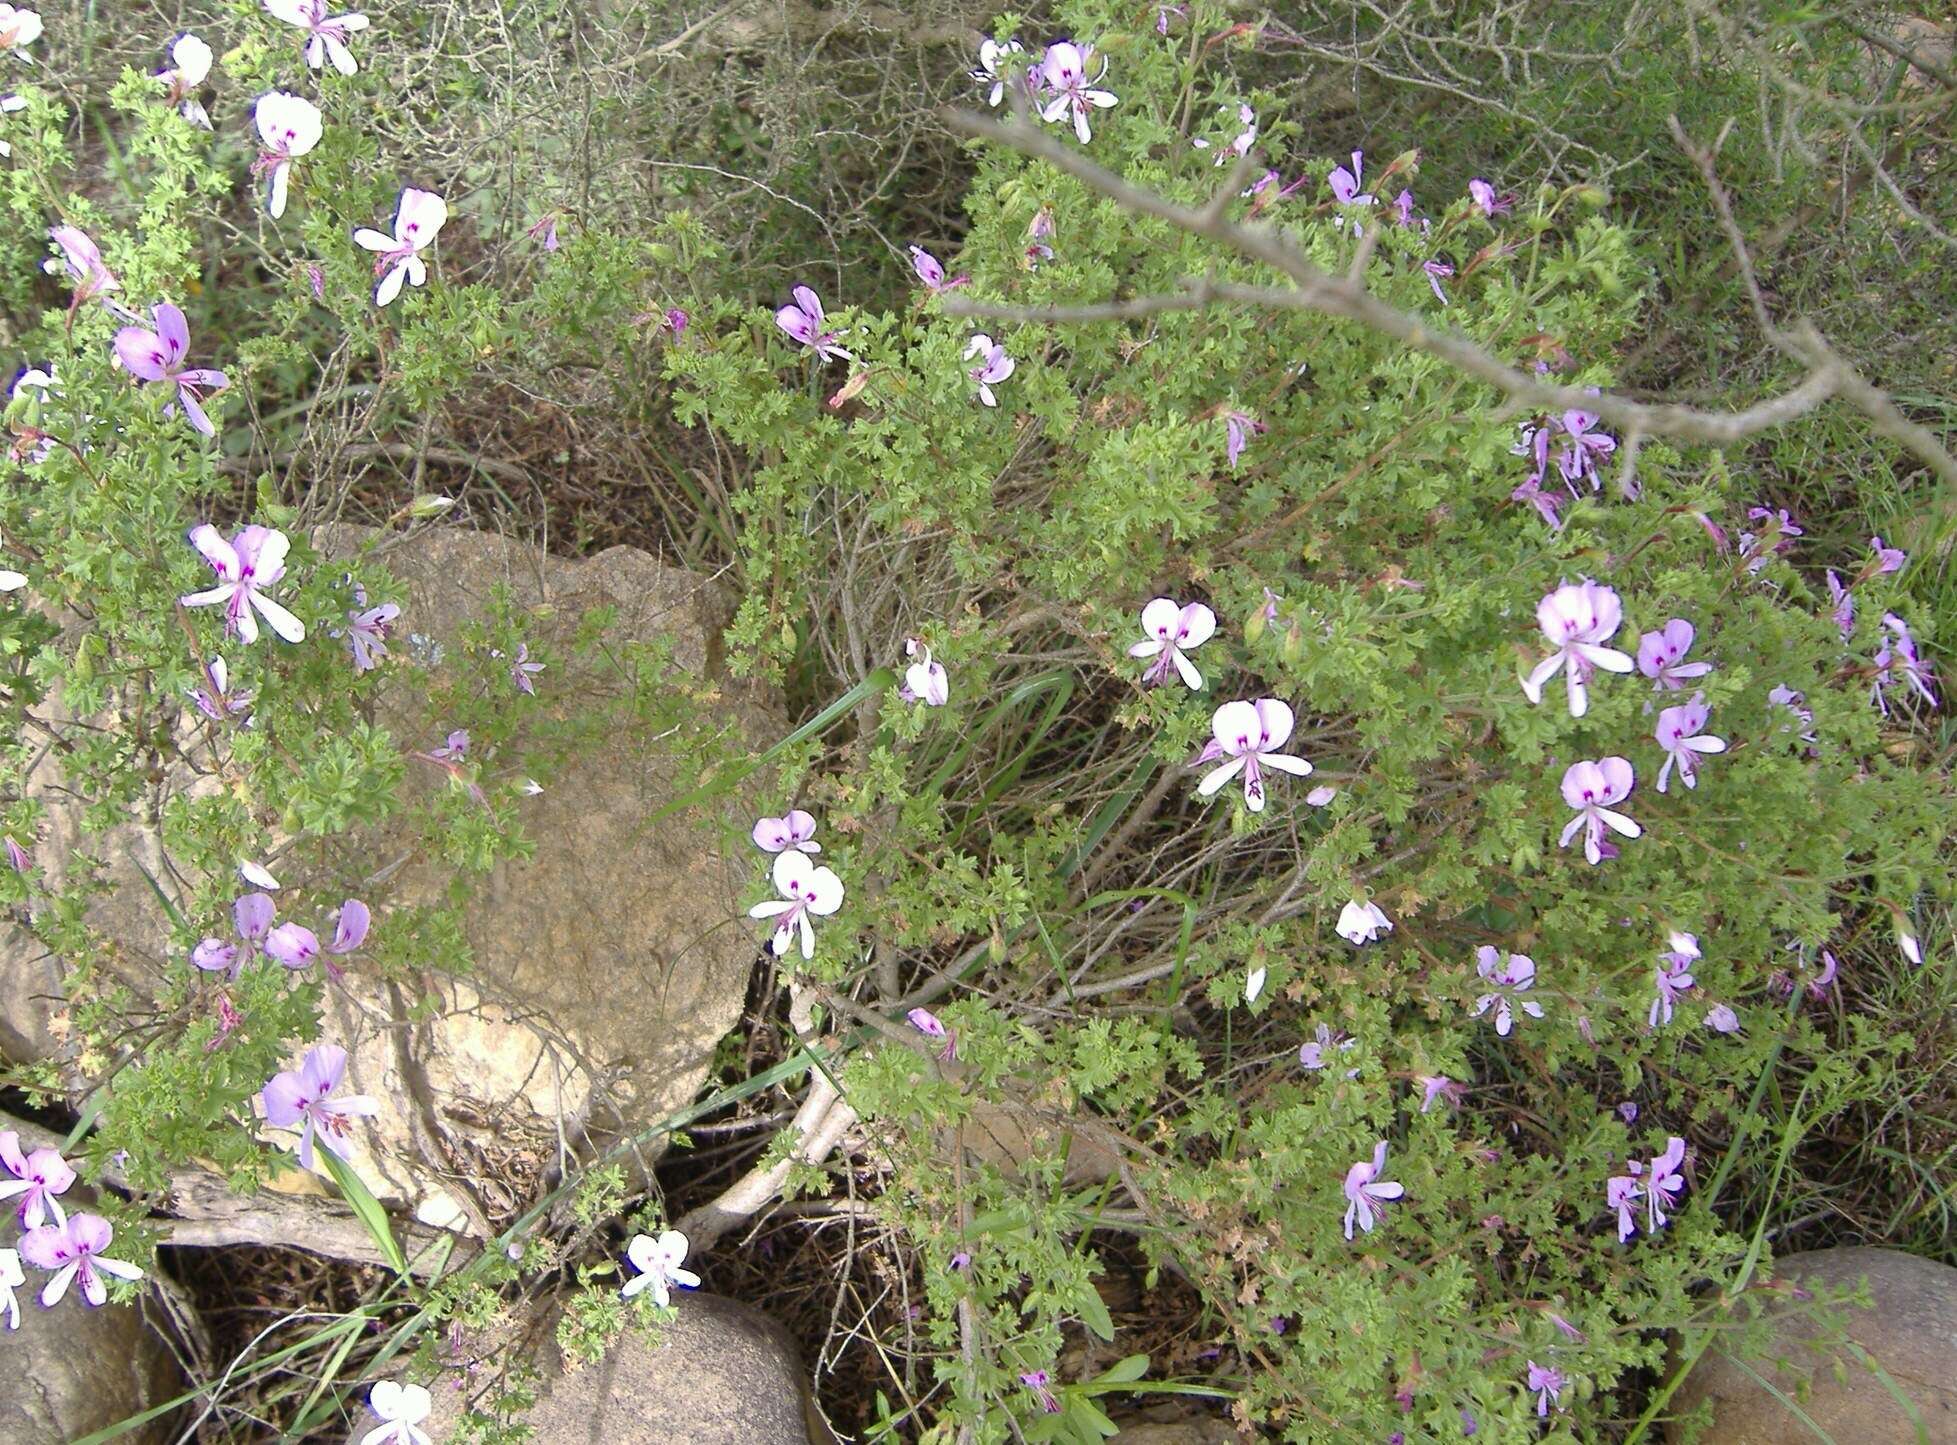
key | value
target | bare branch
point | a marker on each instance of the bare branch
(1316, 290)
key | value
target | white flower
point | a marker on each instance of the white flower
(1249, 734)
(190, 66)
(924, 680)
(1510, 979)
(1681, 734)
(12, 1277)
(327, 34)
(1254, 983)
(1172, 630)
(805, 889)
(253, 559)
(10, 105)
(658, 1263)
(994, 366)
(290, 126)
(993, 59)
(18, 30)
(1363, 923)
(1593, 788)
(1064, 73)
(255, 874)
(1578, 619)
(401, 1409)
(418, 217)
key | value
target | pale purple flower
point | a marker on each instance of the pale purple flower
(35, 384)
(793, 830)
(658, 1263)
(1548, 504)
(214, 698)
(190, 65)
(302, 1099)
(37, 1178)
(1345, 183)
(932, 1027)
(1721, 1019)
(1509, 977)
(350, 927)
(1249, 734)
(1403, 207)
(1898, 661)
(82, 259)
(258, 875)
(1437, 271)
(1577, 619)
(932, 272)
(925, 681)
(1887, 559)
(1628, 1111)
(326, 35)
(1039, 231)
(1245, 138)
(1547, 1385)
(1844, 605)
(251, 917)
(1487, 201)
(1621, 1193)
(366, 630)
(1315, 1053)
(1593, 788)
(1583, 448)
(523, 671)
(1563, 1327)
(1363, 923)
(1039, 1382)
(18, 30)
(289, 126)
(1673, 979)
(1366, 1193)
(806, 890)
(316, 281)
(1172, 631)
(1714, 531)
(1681, 733)
(1063, 73)
(454, 748)
(961, 1260)
(252, 560)
(1271, 604)
(400, 1409)
(996, 59)
(1664, 1184)
(1238, 428)
(418, 218)
(158, 356)
(994, 366)
(1439, 1088)
(544, 230)
(802, 321)
(293, 945)
(1321, 796)
(1796, 703)
(1780, 530)
(12, 1277)
(73, 1250)
(17, 858)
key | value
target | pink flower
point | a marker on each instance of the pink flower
(1437, 272)
(1673, 978)
(1887, 559)
(290, 126)
(1584, 449)
(17, 858)
(158, 356)
(1664, 1184)
(1363, 923)
(1547, 504)
(1509, 977)
(1621, 1193)
(802, 321)
(1897, 661)
(293, 945)
(252, 560)
(37, 1178)
(1172, 631)
(326, 37)
(1721, 1019)
(1039, 1382)
(1844, 605)
(1681, 734)
(1238, 428)
(925, 681)
(807, 890)
(1249, 735)
(418, 218)
(1315, 1053)
(1661, 656)
(350, 926)
(1366, 1194)
(932, 273)
(1345, 183)
(367, 629)
(794, 830)
(1592, 789)
(928, 1024)
(301, 1098)
(523, 672)
(1577, 619)
(1063, 72)
(214, 699)
(83, 261)
(544, 230)
(73, 1250)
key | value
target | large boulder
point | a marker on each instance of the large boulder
(719, 1374)
(73, 1370)
(1910, 1333)
(483, 1082)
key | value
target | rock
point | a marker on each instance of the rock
(73, 1370)
(721, 1374)
(484, 1081)
(1179, 1432)
(1911, 1333)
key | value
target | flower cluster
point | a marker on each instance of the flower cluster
(71, 1247)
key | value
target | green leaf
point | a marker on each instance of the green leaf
(1094, 1314)
(356, 1193)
